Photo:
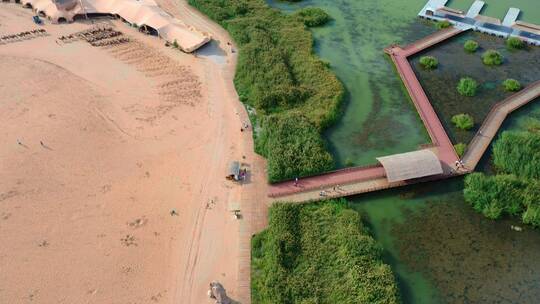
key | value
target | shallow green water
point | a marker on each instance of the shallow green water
(444, 252)
(454, 63)
(440, 250)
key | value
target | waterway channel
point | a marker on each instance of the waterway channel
(439, 248)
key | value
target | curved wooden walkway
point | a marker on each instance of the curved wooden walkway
(495, 118)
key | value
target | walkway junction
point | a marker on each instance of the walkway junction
(437, 161)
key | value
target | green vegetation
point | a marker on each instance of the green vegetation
(294, 147)
(429, 62)
(319, 253)
(460, 149)
(279, 76)
(463, 121)
(516, 189)
(312, 16)
(467, 86)
(175, 44)
(470, 46)
(443, 24)
(511, 85)
(515, 43)
(492, 57)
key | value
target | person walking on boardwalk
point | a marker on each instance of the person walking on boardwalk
(296, 181)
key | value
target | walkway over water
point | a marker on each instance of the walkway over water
(367, 179)
(352, 181)
(480, 142)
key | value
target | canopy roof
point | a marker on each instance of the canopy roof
(410, 165)
(139, 12)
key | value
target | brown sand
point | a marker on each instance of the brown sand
(112, 139)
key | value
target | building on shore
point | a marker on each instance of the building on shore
(509, 27)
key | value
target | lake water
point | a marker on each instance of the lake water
(440, 249)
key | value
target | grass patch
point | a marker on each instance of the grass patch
(280, 77)
(470, 46)
(492, 57)
(511, 85)
(463, 121)
(515, 190)
(460, 149)
(429, 62)
(312, 16)
(319, 253)
(467, 86)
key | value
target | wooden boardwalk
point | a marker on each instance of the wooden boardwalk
(357, 180)
(372, 178)
(495, 118)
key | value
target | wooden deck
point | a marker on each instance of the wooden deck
(481, 141)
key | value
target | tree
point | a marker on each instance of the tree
(511, 85)
(514, 43)
(470, 46)
(429, 62)
(463, 121)
(467, 86)
(492, 57)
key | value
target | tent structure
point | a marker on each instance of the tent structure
(142, 13)
(410, 165)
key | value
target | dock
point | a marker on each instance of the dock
(510, 27)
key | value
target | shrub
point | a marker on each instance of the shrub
(516, 189)
(429, 62)
(515, 43)
(312, 16)
(175, 44)
(511, 85)
(443, 24)
(492, 57)
(518, 153)
(279, 76)
(470, 46)
(319, 253)
(460, 149)
(463, 121)
(467, 86)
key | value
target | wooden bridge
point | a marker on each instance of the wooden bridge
(358, 180)
(495, 118)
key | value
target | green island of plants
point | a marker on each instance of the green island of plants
(319, 253)
(515, 190)
(279, 76)
(492, 57)
(515, 43)
(470, 46)
(312, 16)
(467, 86)
(429, 62)
(463, 121)
(511, 85)
(460, 149)
(443, 24)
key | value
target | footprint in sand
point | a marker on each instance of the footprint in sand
(129, 240)
(137, 222)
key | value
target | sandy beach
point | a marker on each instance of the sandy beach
(113, 162)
